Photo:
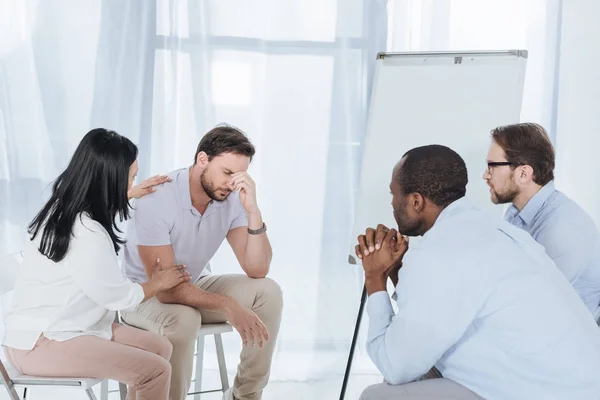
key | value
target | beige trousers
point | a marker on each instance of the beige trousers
(137, 358)
(180, 324)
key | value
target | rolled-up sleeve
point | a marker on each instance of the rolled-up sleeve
(93, 264)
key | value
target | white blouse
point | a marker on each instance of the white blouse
(76, 296)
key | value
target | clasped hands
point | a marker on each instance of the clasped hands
(381, 251)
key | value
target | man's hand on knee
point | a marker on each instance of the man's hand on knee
(250, 327)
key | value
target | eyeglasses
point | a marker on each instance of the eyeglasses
(492, 165)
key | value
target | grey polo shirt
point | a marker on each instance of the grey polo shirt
(167, 217)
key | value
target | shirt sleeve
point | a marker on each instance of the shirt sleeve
(240, 218)
(435, 308)
(92, 262)
(151, 222)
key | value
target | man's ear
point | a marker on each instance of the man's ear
(417, 202)
(526, 174)
(202, 159)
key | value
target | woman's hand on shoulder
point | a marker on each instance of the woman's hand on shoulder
(146, 187)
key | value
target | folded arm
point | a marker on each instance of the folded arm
(184, 293)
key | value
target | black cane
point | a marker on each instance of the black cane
(363, 298)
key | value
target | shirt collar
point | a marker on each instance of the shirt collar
(534, 205)
(456, 207)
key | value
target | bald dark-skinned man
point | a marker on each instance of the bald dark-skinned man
(478, 299)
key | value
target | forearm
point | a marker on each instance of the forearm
(191, 295)
(258, 249)
(150, 290)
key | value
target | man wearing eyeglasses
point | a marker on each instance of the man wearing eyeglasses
(520, 171)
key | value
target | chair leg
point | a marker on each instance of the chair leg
(90, 394)
(222, 364)
(122, 391)
(12, 393)
(7, 382)
(199, 366)
(104, 390)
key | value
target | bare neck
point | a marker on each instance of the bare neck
(525, 194)
(200, 199)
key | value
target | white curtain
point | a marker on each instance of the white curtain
(578, 105)
(562, 85)
(438, 25)
(295, 75)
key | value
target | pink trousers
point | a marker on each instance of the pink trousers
(135, 357)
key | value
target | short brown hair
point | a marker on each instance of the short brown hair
(225, 138)
(527, 144)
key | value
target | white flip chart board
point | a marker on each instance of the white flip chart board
(450, 98)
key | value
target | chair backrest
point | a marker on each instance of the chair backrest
(9, 268)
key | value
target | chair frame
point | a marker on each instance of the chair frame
(25, 381)
(220, 358)
(216, 330)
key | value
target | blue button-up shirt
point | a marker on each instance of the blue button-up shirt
(482, 301)
(569, 236)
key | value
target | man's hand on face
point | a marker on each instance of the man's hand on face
(241, 181)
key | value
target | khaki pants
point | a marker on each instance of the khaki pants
(137, 358)
(180, 324)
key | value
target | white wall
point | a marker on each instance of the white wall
(578, 116)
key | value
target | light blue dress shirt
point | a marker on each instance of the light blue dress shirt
(569, 236)
(479, 299)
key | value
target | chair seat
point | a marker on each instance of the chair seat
(213, 329)
(20, 379)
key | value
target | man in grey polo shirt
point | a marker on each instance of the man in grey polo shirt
(185, 222)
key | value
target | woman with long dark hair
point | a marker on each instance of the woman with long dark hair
(70, 284)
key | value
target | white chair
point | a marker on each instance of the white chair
(9, 376)
(206, 330)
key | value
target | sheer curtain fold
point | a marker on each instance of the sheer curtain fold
(294, 75)
(432, 25)
(561, 83)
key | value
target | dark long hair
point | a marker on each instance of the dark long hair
(95, 182)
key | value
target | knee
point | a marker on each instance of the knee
(154, 369)
(371, 393)
(164, 348)
(162, 369)
(182, 325)
(272, 295)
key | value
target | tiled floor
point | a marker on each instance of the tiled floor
(310, 382)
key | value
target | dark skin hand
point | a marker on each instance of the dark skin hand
(394, 247)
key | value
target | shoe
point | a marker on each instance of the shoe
(228, 394)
